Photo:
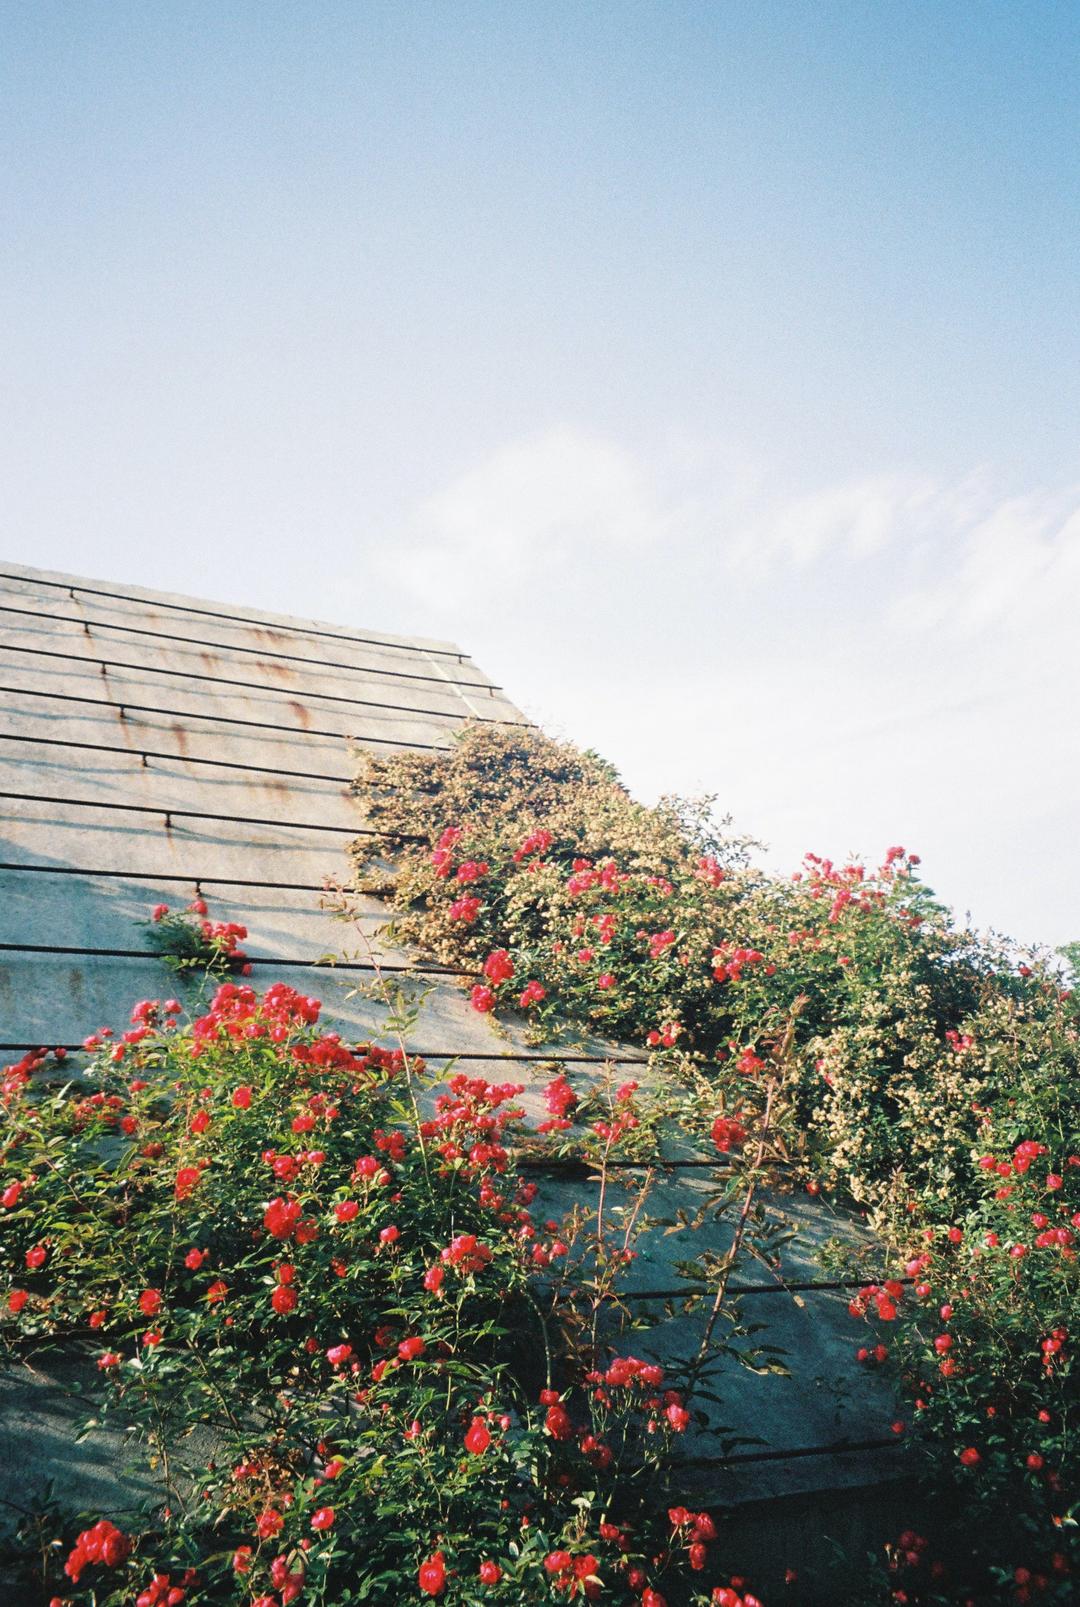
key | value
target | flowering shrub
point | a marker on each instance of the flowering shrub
(583, 906)
(927, 1067)
(982, 1333)
(188, 941)
(308, 1278)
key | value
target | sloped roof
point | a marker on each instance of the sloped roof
(153, 747)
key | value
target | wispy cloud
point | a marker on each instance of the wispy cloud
(890, 657)
(552, 498)
(565, 494)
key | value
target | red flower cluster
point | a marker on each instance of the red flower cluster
(709, 869)
(466, 1253)
(498, 967)
(465, 910)
(884, 1297)
(282, 1217)
(560, 1100)
(537, 842)
(161, 1592)
(729, 961)
(694, 1530)
(728, 1133)
(574, 1575)
(103, 1544)
(586, 876)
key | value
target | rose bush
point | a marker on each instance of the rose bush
(925, 1064)
(307, 1277)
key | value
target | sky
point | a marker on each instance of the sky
(710, 372)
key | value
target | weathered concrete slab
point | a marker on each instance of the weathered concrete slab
(192, 700)
(300, 755)
(54, 642)
(115, 777)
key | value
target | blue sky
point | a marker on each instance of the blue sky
(709, 371)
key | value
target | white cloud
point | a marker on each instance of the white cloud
(971, 554)
(555, 496)
(1016, 567)
(858, 517)
(568, 493)
(885, 658)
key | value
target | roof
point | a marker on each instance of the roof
(153, 747)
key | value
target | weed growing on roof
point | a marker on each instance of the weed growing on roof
(189, 942)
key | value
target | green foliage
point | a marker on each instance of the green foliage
(915, 1047)
(189, 943)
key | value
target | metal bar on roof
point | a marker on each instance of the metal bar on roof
(537, 1059)
(103, 665)
(835, 1448)
(177, 758)
(422, 1054)
(72, 587)
(164, 876)
(786, 1286)
(225, 719)
(191, 814)
(82, 952)
(235, 647)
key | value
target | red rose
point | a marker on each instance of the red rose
(490, 1573)
(558, 1424)
(498, 967)
(478, 1437)
(465, 909)
(187, 1180)
(432, 1575)
(324, 1518)
(281, 1217)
